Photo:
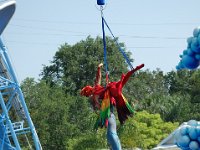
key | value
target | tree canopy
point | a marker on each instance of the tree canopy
(75, 66)
(64, 119)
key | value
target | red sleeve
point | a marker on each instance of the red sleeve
(127, 76)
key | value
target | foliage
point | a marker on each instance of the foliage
(148, 127)
(185, 85)
(48, 108)
(89, 141)
(64, 119)
(59, 119)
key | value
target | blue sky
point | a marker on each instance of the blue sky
(155, 31)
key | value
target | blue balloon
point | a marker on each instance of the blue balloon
(195, 41)
(183, 141)
(190, 52)
(198, 131)
(180, 66)
(185, 52)
(190, 62)
(194, 145)
(189, 40)
(197, 56)
(195, 45)
(184, 130)
(101, 2)
(193, 133)
(198, 139)
(194, 48)
(196, 32)
(198, 38)
(193, 123)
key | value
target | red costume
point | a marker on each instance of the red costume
(114, 90)
(117, 97)
(110, 96)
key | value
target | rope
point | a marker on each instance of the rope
(104, 42)
(103, 21)
(115, 39)
(104, 47)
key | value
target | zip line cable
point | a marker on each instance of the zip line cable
(81, 33)
(47, 44)
(116, 23)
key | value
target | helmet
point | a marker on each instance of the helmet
(87, 91)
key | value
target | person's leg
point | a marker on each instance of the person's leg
(112, 136)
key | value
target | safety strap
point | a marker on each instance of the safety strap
(119, 47)
(104, 43)
(104, 46)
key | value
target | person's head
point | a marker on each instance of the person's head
(87, 91)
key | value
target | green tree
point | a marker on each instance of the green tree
(149, 89)
(90, 141)
(75, 66)
(184, 85)
(49, 108)
(146, 84)
(59, 119)
(148, 127)
(68, 123)
(178, 82)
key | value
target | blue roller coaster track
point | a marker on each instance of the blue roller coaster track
(17, 130)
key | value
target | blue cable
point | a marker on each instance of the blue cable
(120, 49)
(104, 45)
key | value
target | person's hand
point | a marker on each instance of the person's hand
(139, 67)
(100, 65)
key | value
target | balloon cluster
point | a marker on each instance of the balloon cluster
(100, 2)
(190, 59)
(188, 136)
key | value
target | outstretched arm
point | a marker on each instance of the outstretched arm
(127, 76)
(98, 75)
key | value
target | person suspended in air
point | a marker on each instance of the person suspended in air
(105, 99)
(111, 95)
